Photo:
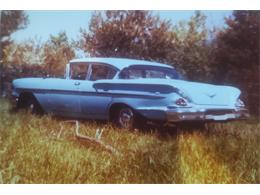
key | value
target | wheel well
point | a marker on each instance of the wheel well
(114, 108)
(23, 97)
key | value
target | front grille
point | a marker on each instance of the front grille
(219, 112)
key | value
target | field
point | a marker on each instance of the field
(44, 149)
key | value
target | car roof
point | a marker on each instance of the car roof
(120, 63)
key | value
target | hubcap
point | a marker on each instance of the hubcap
(126, 118)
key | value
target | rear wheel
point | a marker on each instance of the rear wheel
(125, 118)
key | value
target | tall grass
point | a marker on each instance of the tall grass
(34, 150)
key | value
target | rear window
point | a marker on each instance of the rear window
(145, 71)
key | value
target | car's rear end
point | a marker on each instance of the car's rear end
(205, 102)
(191, 101)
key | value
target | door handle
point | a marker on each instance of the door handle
(77, 83)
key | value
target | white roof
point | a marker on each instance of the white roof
(120, 63)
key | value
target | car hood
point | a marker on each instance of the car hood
(38, 83)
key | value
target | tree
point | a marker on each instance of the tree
(237, 55)
(133, 34)
(193, 48)
(10, 21)
(58, 52)
(28, 53)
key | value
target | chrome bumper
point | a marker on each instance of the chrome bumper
(179, 115)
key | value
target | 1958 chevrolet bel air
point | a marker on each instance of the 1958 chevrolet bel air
(122, 90)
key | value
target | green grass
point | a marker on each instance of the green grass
(31, 152)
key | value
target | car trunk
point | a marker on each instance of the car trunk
(208, 94)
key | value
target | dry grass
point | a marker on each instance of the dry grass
(33, 150)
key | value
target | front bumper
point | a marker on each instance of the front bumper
(179, 115)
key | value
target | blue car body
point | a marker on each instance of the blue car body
(161, 95)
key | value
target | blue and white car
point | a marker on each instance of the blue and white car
(125, 90)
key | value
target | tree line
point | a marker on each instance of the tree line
(229, 55)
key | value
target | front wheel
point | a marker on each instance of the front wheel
(29, 103)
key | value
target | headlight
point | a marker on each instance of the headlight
(239, 103)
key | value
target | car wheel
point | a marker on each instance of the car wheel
(125, 118)
(30, 104)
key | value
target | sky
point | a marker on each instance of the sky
(42, 24)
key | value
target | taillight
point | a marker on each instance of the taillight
(181, 102)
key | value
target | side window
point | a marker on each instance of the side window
(99, 71)
(79, 71)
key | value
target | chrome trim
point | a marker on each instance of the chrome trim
(114, 93)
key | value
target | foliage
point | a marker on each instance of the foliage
(50, 56)
(193, 48)
(31, 151)
(10, 22)
(133, 34)
(57, 52)
(237, 56)
(26, 53)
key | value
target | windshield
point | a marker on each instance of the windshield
(145, 71)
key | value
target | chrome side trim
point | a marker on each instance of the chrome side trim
(90, 93)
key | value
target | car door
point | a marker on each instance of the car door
(93, 102)
(62, 97)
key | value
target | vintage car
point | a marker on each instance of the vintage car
(125, 90)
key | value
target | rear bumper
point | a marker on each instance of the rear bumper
(179, 115)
